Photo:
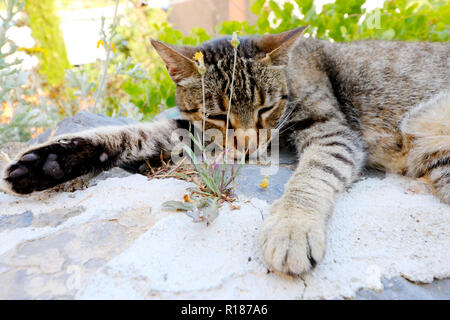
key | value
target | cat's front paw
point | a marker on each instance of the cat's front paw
(292, 242)
(48, 165)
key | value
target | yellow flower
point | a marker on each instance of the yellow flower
(100, 43)
(234, 40)
(186, 198)
(198, 56)
(265, 183)
(201, 68)
(33, 50)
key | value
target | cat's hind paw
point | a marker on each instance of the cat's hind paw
(292, 243)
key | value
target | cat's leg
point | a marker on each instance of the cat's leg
(440, 179)
(70, 156)
(427, 132)
(331, 157)
(429, 158)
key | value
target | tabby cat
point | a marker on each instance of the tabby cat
(341, 105)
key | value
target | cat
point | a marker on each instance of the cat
(384, 104)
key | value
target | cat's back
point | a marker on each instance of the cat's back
(374, 78)
(388, 74)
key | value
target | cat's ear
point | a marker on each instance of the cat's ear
(178, 60)
(278, 46)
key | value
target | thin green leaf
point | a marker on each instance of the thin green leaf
(178, 205)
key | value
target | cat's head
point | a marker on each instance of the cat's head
(260, 86)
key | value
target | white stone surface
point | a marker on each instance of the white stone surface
(121, 244)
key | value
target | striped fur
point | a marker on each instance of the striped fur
(426, 130)
(342, 105)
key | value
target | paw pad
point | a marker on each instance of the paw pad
(17, 173)
(29, 157)
(52, 168)
(103, 157)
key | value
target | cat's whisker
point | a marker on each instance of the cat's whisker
(286, 115)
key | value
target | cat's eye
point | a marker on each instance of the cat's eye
(217, 119)
(221, 117)
(190, 111)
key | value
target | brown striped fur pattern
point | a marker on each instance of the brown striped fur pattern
(342, 105)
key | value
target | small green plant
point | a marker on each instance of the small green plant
(217, 176)
(107, 42)
(216, 187)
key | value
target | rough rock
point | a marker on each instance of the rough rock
(113, 240)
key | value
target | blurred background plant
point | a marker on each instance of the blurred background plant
(24, 108)
(136, 83)
(348, 20)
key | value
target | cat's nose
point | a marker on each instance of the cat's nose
(246, 140)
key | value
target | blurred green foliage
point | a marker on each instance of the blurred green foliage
(156, 92)
(22, 112)
(347, 20)
(45, 25)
